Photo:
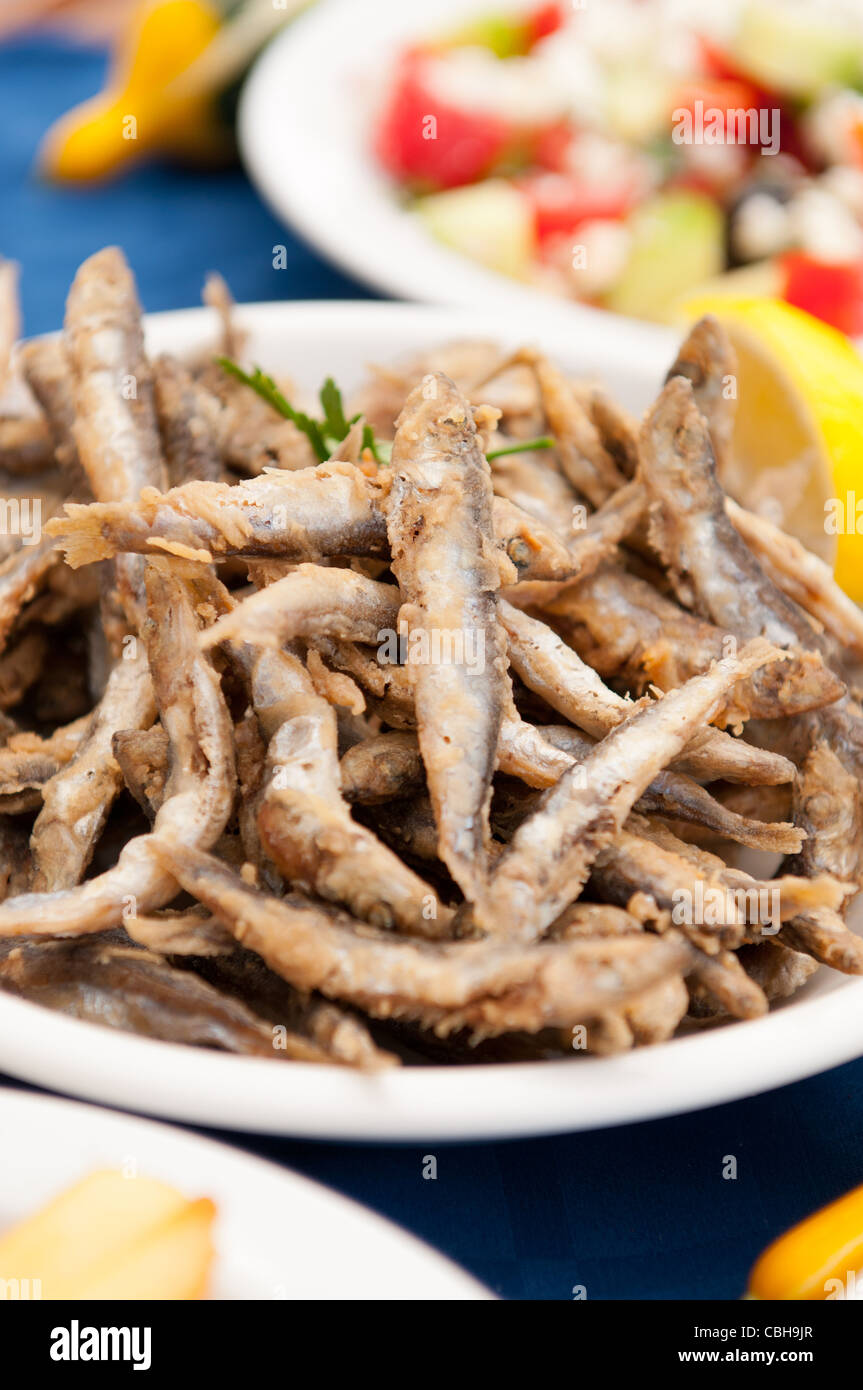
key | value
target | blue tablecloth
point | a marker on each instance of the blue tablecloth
(638, 1212)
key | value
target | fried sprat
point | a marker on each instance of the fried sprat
(429, 729)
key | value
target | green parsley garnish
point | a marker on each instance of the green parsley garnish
(267, 389)
(381, 449)
(324, 435)
(526, 447)
(335, 424)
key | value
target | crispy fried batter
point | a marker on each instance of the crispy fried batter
(143, 756)
(800, 575)
(382, 767)
(47, 372)
(10, 316)
(76, 800)
(305, 825)
(188, 424)
(708, 361)
(691, 529)
(115, 428)
(331, 509)
(675, 795)
(554, 671)
(488, 988)
(549, 858)
(439, 521)
(26, 446)
(624, 627)
(138, 991)
(22, 575)
(394, 646)
(199, 794)
(583, 457)
(313, 601)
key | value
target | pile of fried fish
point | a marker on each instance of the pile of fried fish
(436, 747)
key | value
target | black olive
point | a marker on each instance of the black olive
(780, 191)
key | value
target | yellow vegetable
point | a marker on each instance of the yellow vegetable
(144, 110)
(112, 1236)
(826, 1246)
(171, 1261)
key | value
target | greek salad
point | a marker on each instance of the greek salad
(634, 152)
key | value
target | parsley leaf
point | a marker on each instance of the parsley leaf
(267, 389)
(335, 424)
(525, 447)
(322, 434)
(380, 449)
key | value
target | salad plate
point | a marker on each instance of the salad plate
(307, 146)
(277, 1235)
(625, 158)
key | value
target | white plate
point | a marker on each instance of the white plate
(277, 1235)
(818, 1028)
(305, 123)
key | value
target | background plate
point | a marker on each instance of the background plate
(278, 1235)
(305, 133)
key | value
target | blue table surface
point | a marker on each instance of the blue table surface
(637, 1212)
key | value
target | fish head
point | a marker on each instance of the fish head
(706, 357)
(676, 442)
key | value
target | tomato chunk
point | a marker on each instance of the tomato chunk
(430, 145)
(561, 203)
(828, 290)
(541, 22)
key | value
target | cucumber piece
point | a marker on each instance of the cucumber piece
(677, 243)
(637, 102)
(491, 222)
(504, 34)
(800, 53)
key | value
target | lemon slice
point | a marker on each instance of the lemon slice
(798, 437)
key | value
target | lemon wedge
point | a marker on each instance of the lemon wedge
(798, 437)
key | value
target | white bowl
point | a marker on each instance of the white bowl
(820, 1027)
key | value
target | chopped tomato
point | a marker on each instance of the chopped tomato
(552, 145)
(829, 290)
(737, 94)
(718, 63)
(545, 20)
(423, 142)
(560, 203)
(716, 94)
(857, 142)
(728, 88)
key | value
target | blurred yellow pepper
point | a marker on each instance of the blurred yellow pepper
(812, 1260)
(143, 109)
